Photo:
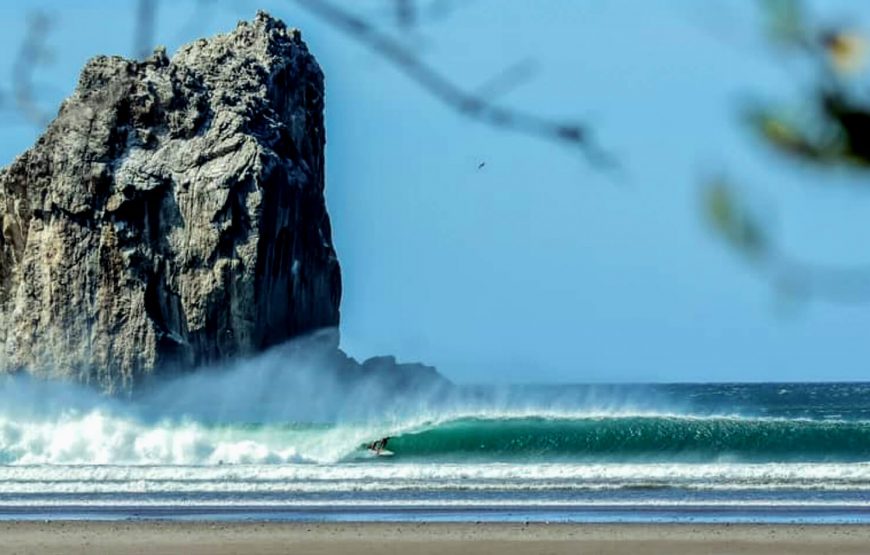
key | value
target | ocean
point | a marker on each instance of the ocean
(780, 452)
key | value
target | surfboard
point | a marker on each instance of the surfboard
(381, 453)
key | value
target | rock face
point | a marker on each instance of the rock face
(172, 215)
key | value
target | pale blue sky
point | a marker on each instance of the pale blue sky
(538, 267)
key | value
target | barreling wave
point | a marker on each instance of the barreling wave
(628, 438)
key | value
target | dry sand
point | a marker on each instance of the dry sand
(154, 538)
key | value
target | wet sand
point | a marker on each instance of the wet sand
(195, 538)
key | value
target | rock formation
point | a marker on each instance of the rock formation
(172, 215)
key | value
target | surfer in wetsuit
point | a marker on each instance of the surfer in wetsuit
(379, 445)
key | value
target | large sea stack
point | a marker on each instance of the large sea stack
(172, 215)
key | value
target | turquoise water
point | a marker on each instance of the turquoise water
(722, 452)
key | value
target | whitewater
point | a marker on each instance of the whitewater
(699, 452)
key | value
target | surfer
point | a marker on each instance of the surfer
(379, 445)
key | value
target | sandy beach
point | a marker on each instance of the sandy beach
(128, 538)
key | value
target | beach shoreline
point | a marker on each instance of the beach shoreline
(424, 538)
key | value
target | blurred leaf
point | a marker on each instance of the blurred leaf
(786, 21)
(853, 121)
(846, 51)
(733, 222)
(786, 136)
(838, 134)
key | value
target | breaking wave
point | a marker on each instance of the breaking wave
(103, 437)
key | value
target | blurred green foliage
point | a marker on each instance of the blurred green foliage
(829, 128)
(733, 221)
(833, 126)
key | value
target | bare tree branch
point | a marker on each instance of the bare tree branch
(32, 53)
(508, 79)
(749, 236)
(437, 9)
(409, 15)
(452, 95)
(847, 285)
(143, 38)
(406, 13)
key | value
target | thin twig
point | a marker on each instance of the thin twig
(143, 39)
(508, 79)
(754, 240)
(452, 95)
(846, 285)
(410, 15)
(406, 13)
(439, 9)
(33, 53)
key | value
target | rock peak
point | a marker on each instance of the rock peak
(159, 57)
(264, 20)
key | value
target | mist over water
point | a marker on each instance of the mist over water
(271, 409)
(292, 405)
(276, 407)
